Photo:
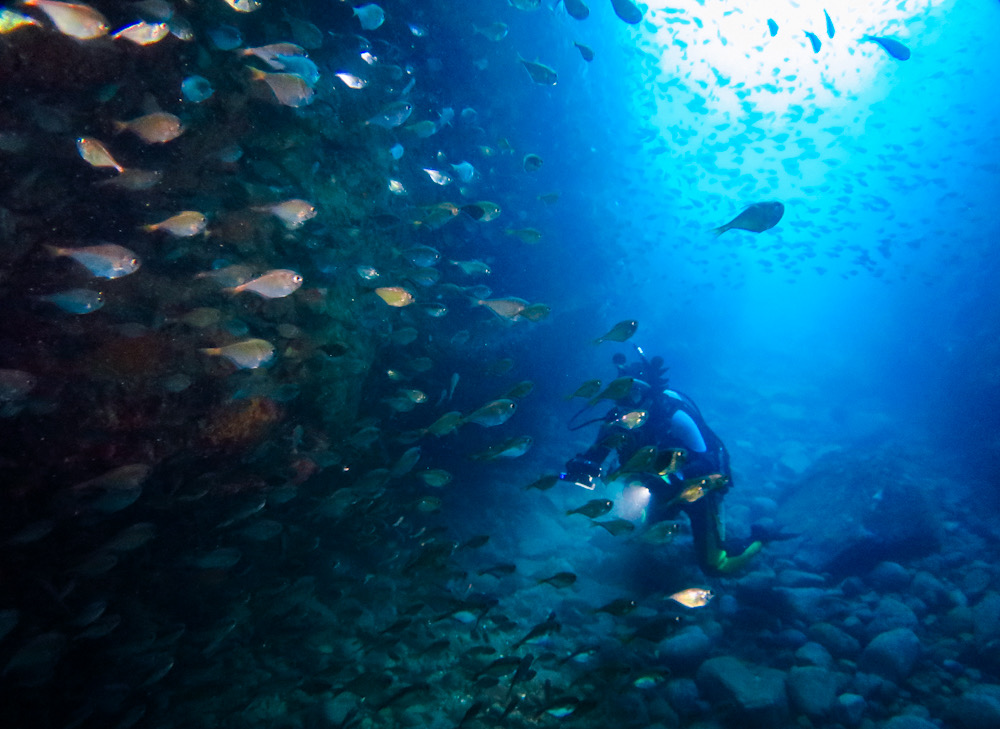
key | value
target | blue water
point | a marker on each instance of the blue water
(188, 544)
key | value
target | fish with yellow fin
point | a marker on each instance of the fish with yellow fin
(246, 355)
(395, 296)
(11, 20)
(693, 597)
(182, 225)
(632, 419)
(694, 489)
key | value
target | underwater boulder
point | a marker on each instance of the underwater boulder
(688, 648)
(854, 511)
(682, 693)
(889, 577)
(850, 709)
(756, 693)
(892, 654)
(889, 615)
(909, 722)
(812, 690)
(977, 708)
(835, 640)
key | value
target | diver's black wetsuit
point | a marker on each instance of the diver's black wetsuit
(673, 422)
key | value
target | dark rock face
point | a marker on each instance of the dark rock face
(857, 511)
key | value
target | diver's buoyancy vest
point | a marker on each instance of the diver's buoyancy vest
(715, 459)
(657, 431)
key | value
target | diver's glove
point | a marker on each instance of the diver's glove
(581, 471)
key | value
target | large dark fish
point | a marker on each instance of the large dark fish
(619, 332)
(893, 47)
(628, 12)
(547, 626)
(757, 218)
(576, 9)
(814, 40)
(540, 73)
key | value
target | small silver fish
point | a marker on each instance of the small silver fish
(76, 301)
(351, 81)
(247, 355)
(292, 213)
(104, 261)
(393, 115)
(274, 284)
(370, 16)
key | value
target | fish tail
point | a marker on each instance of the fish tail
(118, 126)
(55, 250)
(720, 230)
(212, 351)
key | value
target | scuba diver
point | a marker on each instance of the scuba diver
(660, 437)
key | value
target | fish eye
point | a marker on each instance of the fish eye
(134, 262)
(297, 279)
